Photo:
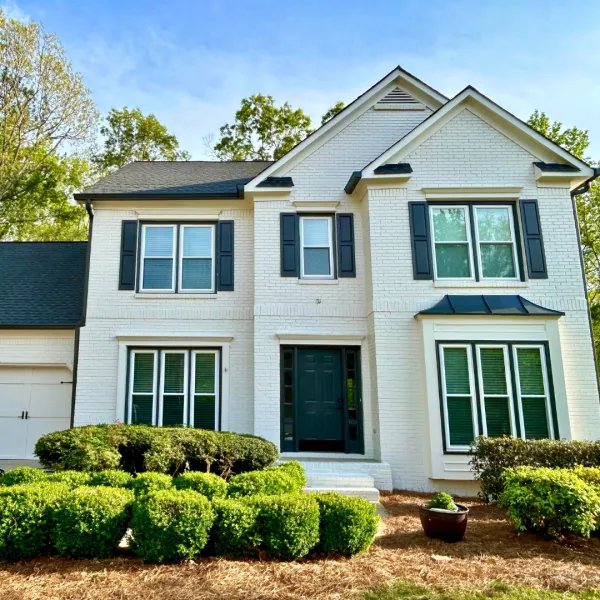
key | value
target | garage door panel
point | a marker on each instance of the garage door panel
(50, 375)
(37, 427)
(14, 398)
(51, 400)
(15, 375)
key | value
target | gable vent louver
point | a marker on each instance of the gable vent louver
(398, 99)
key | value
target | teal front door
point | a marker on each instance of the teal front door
(320, 408)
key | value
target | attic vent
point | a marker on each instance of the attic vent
(398, 99)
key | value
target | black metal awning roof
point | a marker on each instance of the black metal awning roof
(493, 304)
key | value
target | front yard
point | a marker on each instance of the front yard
(491, 551)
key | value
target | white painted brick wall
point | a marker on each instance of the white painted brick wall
(379, 303)
(37, 347)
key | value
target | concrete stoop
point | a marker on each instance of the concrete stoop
(347, 484)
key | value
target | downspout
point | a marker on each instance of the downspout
(583, 189)
(90, 212)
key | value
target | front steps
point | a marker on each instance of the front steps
(347, 484)
(347, 475)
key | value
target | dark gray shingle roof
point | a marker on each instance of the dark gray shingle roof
(276, 182)
(393, 169)
(497, 305)
(42, 283)
(556, 167)
(177, 178)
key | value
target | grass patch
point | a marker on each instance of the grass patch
(407, 590)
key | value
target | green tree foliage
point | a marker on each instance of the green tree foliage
(576, 141)
(45, 110)
(262, 131)
(334, 110)
(130, 135)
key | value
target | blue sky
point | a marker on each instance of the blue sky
(191, 61)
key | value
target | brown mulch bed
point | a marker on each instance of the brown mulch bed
(491, 551)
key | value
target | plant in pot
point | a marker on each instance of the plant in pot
(443, 519)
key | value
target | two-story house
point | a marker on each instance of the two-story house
(405, 279)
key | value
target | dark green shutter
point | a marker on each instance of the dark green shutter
(225, 242)
(290, 245)
(460, 410)
(497, 409)
(345, 243)
(532, 237)
(531, 378)
(420, 241)
(128, 251)
(204, 383)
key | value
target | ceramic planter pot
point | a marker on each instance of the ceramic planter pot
(446, 526)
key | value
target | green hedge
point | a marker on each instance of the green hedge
(148, 482)
(288, 524)
(23, 475)
(235, 530)
(111, 478)
(491, 456)
(26, 518)
(207, 484)
(91, 521)
(269, 482)
(139, 448)
(347, 525)
(171, 525)
(551, 502)
(71, 478)
(294, 470)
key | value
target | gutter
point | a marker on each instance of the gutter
(583, 189)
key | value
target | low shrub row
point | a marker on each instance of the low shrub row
(492, 456)
(139, 448)
(286, 478)
(173, 524)
(552, 502)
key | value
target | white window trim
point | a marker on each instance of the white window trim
(181, 256)
(469, 242)
(542, 350)
(512, 242)
(330, 248)
(146, 226)
(472, 395)
(508, 395)
(193, 393)
(162, 392)
(130, 393)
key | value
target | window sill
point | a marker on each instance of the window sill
(481, 284)
(172, 296)
(318, 281)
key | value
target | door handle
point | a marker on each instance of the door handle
(340, 405)
(22, 415)
(26, 414)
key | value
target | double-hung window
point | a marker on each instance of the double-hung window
(473, 241)
(169, 387)
(177, 258)
(316, 247)
(494, 389)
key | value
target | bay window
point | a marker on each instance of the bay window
(494, 389)
(171, 387)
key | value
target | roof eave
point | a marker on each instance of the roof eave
(162, 196)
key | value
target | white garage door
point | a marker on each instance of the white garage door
(33, 401)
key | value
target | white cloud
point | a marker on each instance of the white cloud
(13, 11)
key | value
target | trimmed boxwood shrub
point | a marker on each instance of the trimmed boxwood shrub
(26, 518)
(207, 484)
(295, 470)
(171, 525)
(71, 478)
(288, 524)
(235, 530)
(491, 456)
(112, 478)
(269, 482)
(551, 502)
(138, 448)
(91, 521)
(22, 475)
(590, 475)
(148, 482)
(347, 525)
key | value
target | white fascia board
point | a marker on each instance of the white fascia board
(494, 115)
(397, 77)
(474, 193)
